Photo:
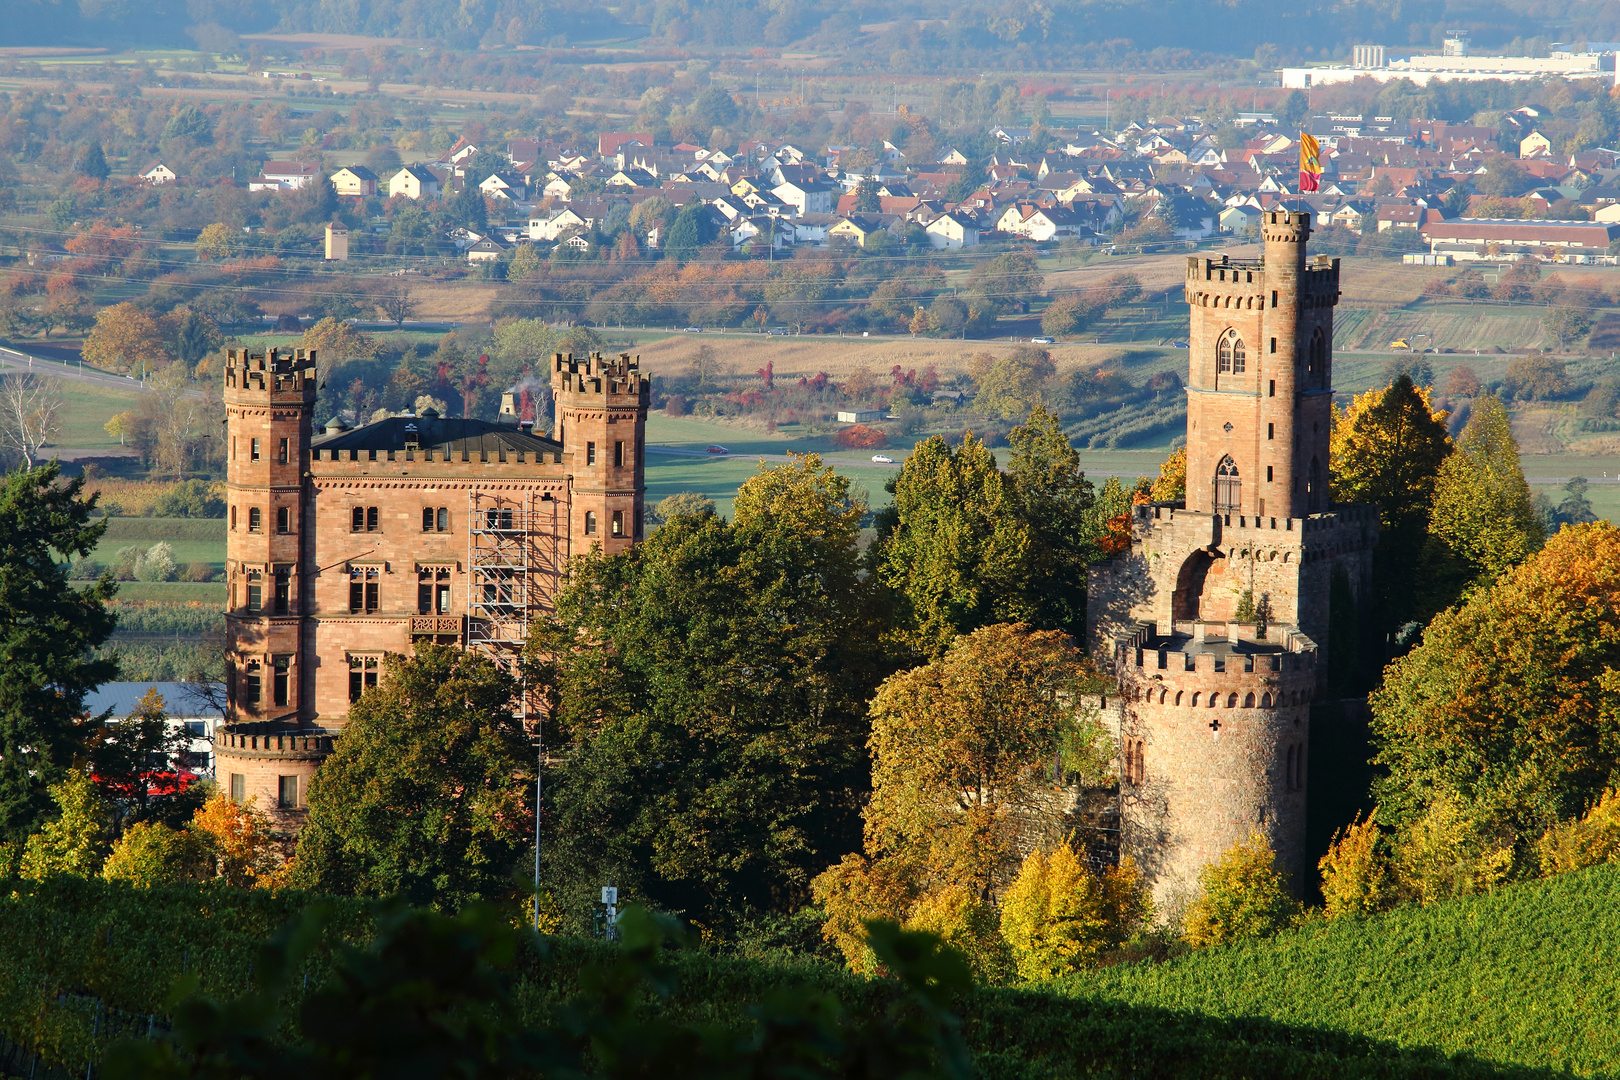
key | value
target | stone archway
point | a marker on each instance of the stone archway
(1190, 579)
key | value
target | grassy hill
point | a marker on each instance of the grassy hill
(1527, 976)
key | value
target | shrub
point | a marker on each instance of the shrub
(860, 437)
(1585, 841)
(1058, 917)
(189, 499)
(676, 405)
(151, 853)
(1355, 874)
(84, 568)
(680, 504)
(198, 571)
(1244, 897)
(156, 564)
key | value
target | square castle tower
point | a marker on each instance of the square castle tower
(1214, 712)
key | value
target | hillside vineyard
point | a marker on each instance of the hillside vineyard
(354, 543)
(1214, 707)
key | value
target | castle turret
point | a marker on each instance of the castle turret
(601, 422)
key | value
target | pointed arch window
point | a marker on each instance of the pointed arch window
(1231, 355)
(1228, 486)
(1316, 355)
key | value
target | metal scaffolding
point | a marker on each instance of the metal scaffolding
(514, 568)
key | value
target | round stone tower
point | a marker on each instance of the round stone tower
(1216, 620)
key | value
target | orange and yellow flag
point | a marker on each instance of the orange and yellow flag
(1310, 163)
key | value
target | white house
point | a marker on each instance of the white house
(414, 182)
(952, 230)
(159, 174)
(553, 227)
(290, 175)
(806, 196)
(198, 708)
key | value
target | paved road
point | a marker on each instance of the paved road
(12, 360)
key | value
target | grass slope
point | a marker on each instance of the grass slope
(1526, 976)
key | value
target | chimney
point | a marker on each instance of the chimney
(509, 414)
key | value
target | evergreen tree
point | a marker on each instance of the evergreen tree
(429, 795)
(958, 553)
(1484, 521)
(92, 162)
(867, 199)
(1055, 500)
(468, 209)
(690, 231)
(196, 337)
(48, 631)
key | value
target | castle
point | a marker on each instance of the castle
(1216, 621)
(354, 543)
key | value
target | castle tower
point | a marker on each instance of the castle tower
(1216, 621)
(601, 422)
(269, 401)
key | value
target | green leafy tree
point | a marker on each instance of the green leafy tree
(1243, 897)
(429, 793)
(710, 686)
(1483, 521)
(75, 840)
(48, 633)
(1015, 384)
(1509, 710)
(1387, 449)
(136, 760)
(867, 200)
(682, 504)
(954, 548)
(92, 162)
(151, 853)
(189, 122)
(195, 336)
(1055, 499)
(468, 209)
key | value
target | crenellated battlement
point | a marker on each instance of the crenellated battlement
(272, 739)
(274, 373)
(607, 377)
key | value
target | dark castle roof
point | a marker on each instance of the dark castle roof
(449, 434)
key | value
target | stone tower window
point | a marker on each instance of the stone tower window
(1316, 356)
(1239, 355)
(1313, 486)
(1228, 486)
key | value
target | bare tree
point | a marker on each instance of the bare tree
(395, 302)
(30, 414)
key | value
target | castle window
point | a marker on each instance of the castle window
(1231, 701)
(287, 792)
(1141, 763)
(357, 519)
(233, 447)
(1248, 701)
(590, 453)
(1265, 701)
(1271, 431)
(618, 455)
(433, 590)
(363, 587)
(362, 675)
(1228, 486)
(1194, 699)
(253, 450)
(590, 522)
(283, 583)
(255, 591)
(427, 519)
(255, 519)
(283, 520)
(1239, 354)
(280, 675)
(1272, 388)
(252, 683)
(1313, 486)
(282, 453)
(638, 523)
(444, 519)
(618, 523)
(233, 518)
(1268, 474)
(372, 523)
(238, 788)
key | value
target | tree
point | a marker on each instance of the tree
(1505, 177)
(189, 122)
(30, 415)
(1575, 508)
(1069, 314)
(1387, 449)
(1464, 382)
(48, 633)
(1055, 499)
(196, 336)
(1536, 377)
(468, 209)
(1355, 872)
(136, 760)
(963, 751)
(1295, 109)
(75, 840)
(338, 343)
(1243, 897)
(1585, 841)
(91, 161)
(1171, 485)
(525, 344)
(427, 796)
(216, 241)
(125, 338)
(954, 548)
(1059, 917)
(1510, 707)
(1483, 522)
(525, 262)
(237, 842)
(151, 853)
(1015, 384)
(691, 230)
(681, 504)
(710, 688)
(867, 200)
(394, 303)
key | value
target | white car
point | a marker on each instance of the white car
(883, 459)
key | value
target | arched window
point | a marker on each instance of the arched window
(1228, 487)
(1265, 701)
(1231, 701)
(1141, 763)
(1230, 353)
(1313, 486)
(1248, 701)
(1316, 355)
(1195, 699)
(1178, 697)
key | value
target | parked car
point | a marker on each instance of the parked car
(1178, 344)
(1042, 341)
(883, 459)
(694, 329)
(777, 331)
(718, 450)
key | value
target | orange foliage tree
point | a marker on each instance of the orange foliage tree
(860, 437)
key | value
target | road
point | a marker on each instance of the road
(12, 360)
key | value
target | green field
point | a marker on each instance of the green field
(1528, 975)
(170, 592)
(193, 540)
(88, 408)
